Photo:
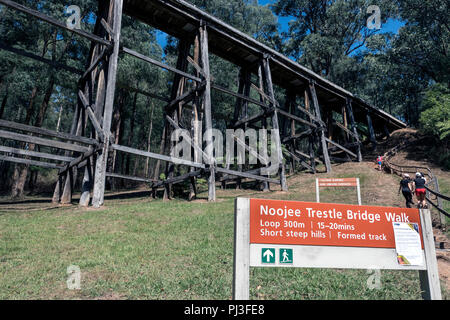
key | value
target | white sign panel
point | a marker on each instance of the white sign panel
(407, 243)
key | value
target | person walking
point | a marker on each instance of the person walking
(405, 187)
(379, 162)
(419, 189)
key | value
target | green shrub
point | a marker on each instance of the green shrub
(435, 119)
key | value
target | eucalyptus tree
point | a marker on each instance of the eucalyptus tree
(35, 82)
(323, 35)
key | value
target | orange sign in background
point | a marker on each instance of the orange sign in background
(337, 182)
(326, 224)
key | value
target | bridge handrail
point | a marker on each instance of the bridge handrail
(433, 181)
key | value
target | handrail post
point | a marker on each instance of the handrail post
(439, 202)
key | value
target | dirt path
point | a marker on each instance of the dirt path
(441, 239)
(417, 154)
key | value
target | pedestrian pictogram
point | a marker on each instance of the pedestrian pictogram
(286, 256)
(268, 233)
(268, 255)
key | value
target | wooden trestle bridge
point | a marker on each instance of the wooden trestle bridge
(308, 130)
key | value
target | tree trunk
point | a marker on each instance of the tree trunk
(38, 123)
(131, 134)
(3, 105)
(58, 125)
(149, 140)
(161, 151)
(117, 129)
(21, 170)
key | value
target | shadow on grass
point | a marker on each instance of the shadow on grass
(25, 201)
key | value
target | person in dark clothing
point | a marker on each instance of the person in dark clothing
(406, 190)
(419, 189)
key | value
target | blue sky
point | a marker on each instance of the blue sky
(392, 25)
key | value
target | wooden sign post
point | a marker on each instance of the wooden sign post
(276, 233)
(338, 182)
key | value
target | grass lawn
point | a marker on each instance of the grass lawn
(144, 249)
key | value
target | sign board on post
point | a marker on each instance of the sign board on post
(338, 182)
(275, 233)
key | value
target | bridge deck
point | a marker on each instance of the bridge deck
(179, 19)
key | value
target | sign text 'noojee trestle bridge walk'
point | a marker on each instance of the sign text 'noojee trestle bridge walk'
(276, 233)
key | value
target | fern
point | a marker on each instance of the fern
(444, 129)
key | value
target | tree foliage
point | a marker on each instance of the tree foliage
(436, 118)
(404, 73)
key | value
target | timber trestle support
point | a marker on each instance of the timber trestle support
(316, 123)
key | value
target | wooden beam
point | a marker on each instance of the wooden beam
(53, 21)
(107, 27)
(312, 136)
(143, 92)
(178, 179)
(251, 119)
(157, 156)
(308, 156)
(304, 164)
(264, 96)
(240, 113)
(204, 53)
(94, 64)
(297, 136)
(312, 153)
(184, 98)
(92, 116)
(33, 56)
(349, 109)
(246, 175)
(96, 124)
(46, 132)
(102, 158)
(86, 184)
(238, 95)
(372, 137)
(35, 154)
(178, 100)
(189, 139)
(347, 145)
(341, 147)
(341, 126)
(195, 128)
(122, 176)
(47, 165)
(41, 141)
(311, 116)
(225, 177)
(238, 104)
(267, 75)
(195, 65)
(315, 102)
(88, 84)
(77, 161)
(293, 117)
(160, 64)
(251, 151)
